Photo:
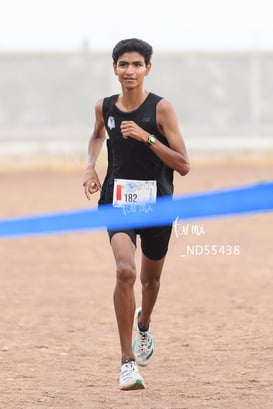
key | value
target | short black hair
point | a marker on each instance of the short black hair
(130, 45)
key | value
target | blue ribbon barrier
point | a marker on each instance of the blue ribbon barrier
(224, 202)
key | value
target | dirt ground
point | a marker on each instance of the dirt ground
(213, 322)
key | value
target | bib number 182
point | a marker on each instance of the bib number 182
(130, 197)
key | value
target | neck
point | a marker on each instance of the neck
(131, 99)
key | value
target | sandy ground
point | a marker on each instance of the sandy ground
(212, 323)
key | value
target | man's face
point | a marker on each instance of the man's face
(131, 69)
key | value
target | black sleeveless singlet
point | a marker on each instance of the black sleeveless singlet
(129, 158)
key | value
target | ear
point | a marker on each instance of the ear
(115, 68)
(148, 68)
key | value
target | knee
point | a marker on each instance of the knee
(126, 274)
(150, 283)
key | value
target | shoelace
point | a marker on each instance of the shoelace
(145, 342)
(127, 370)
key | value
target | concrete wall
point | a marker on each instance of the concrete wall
(222, 99)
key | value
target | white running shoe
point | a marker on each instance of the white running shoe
(143, 345)
(130, 379)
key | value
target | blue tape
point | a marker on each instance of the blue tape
(235, 201)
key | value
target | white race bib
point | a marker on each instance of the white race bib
(133, 192)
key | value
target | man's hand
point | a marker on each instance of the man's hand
(91, 182)
(132, 130)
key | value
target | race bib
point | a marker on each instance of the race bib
(133, 192)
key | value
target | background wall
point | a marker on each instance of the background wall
(224, 101)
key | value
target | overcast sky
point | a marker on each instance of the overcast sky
(64, 25)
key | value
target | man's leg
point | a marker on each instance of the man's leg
(154, 245)
(143, 345)
(124, 298)
(150, 279)
(124, 302)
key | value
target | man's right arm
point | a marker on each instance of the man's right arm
(91, 181)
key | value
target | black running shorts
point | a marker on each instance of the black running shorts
(154, 240)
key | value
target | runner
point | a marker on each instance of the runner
(145, 147)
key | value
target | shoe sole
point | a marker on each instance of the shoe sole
(137, 385)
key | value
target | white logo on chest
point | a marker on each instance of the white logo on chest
(111, 122)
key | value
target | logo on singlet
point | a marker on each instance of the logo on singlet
(111, 122)
(146, 120)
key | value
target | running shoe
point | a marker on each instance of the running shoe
(130, 379)
(143, 345)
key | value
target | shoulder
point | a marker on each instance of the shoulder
(108, 103)
(99, 103)
(98, 108)
(164, 106)
(110, 99)
(154, 98)
(165, 114)
(105, 100)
